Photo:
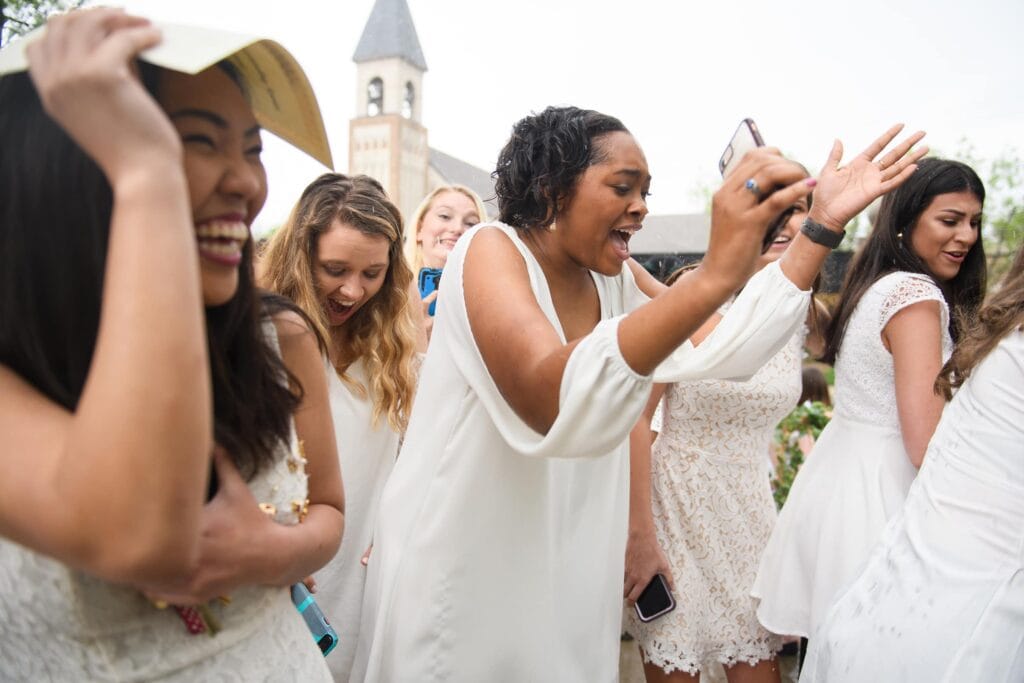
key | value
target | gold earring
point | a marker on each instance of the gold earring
(553, 226)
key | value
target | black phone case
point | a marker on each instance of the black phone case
(657, 598)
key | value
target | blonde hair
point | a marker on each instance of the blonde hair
(413, 250)
(382, 332)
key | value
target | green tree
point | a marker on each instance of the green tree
(18, 17)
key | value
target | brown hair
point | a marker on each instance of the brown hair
(1001, 313)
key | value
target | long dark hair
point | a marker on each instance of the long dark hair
(55, 212)
(542, 160)
(888, 248)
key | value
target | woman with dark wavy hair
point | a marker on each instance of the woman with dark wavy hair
(940, 598)
(135, 357)
(500, 543)
(340, 257)
(888, 338)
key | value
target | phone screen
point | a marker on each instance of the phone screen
(655, 600)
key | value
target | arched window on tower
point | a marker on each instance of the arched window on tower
(375, 97)
(408, 98)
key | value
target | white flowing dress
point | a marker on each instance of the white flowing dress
(499, 552)
(367, 455)
(942, 597)
(58, 624)
(713, 512)
(856, 477)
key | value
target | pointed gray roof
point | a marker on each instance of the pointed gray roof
(390, 32)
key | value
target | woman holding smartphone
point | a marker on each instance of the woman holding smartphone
(500, 541)
(439, 221)
(127, 305)
(339, 257)
(701, 508)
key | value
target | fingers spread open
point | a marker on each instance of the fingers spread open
(899, 150)
(898, 167)
(876, 147)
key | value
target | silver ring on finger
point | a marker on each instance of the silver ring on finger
(754, 188)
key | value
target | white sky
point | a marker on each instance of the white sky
(679, 74)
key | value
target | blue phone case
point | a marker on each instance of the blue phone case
(323, 633)
(429, 281)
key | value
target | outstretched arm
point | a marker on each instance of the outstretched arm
(644, 556)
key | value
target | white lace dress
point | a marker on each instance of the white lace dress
(713, 512)
(57, 624)
(854, 480)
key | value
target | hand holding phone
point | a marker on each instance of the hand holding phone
(323, 633)
(655, 600)
(429, 281)
(746, 138)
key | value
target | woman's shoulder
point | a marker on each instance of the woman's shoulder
(900, 289)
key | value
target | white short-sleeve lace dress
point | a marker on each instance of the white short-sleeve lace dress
(713, 512)
(857, 476)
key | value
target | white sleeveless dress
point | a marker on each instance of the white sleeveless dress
(367, 455)
(942, 597)
(58, 624)
(499, 551)
(856, 478)
(713, 513)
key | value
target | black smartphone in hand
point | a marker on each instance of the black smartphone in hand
(655, 600)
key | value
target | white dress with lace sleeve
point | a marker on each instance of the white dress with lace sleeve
(857, 476)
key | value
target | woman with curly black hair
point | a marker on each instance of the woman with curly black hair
(500, 542)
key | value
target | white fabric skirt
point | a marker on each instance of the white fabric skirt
(853, 482)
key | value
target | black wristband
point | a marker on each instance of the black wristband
(819, 234)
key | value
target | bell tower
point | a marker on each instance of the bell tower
(386, 138)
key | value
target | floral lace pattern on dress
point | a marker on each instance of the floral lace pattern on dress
(865, 378)
(58, 624)
(713, 512)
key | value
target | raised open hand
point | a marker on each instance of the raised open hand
(845, 191)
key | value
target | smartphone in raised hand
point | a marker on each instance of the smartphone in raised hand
(746, 138)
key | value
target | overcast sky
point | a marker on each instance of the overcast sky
(679, 74)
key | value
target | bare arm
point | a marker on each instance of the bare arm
(914, 338)
(116, 487)
(240, 544)
(843, 192)
(644, 556)
(523, 352)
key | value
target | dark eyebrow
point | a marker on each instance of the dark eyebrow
(210, 117)
(632, 172)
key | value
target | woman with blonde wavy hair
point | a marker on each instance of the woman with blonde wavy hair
(339, 257)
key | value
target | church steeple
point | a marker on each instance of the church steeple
(386, 137)
(389, 32)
